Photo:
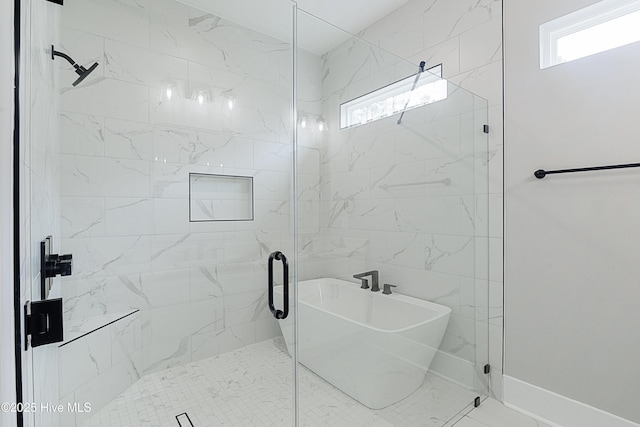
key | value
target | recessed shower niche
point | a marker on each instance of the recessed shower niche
(220, 197)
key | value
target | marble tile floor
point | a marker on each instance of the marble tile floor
(251, 386)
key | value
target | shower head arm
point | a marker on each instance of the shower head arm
(55, 53)
(80, 70)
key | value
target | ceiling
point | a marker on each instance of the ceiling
(273, 17)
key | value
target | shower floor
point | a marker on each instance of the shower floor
(251, 386)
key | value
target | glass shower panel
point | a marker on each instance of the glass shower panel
(166, 315)
(40, 187)
(399, 202)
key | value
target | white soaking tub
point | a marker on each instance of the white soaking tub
(376, 348)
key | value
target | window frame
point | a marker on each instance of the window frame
(579, 20)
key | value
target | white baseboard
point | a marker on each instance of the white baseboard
(554, 409)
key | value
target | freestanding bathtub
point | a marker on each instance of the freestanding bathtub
(376, 348)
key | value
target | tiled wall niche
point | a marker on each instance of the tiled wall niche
(220, 197)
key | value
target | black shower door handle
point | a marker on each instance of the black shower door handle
(279, 314)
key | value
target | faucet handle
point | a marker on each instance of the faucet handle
(365, 283)
(387, 288)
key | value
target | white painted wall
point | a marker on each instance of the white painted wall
(7, 366)
(572, 241)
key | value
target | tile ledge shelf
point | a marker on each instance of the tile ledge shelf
(78, 328)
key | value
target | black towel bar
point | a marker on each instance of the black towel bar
(541, 173)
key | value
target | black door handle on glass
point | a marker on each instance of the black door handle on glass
(279, 314)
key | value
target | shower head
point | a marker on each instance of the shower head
(80, 70)
(83, 72)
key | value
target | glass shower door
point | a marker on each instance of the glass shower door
(167, 175)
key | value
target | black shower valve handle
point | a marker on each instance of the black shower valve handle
(63, 268)
(59, 265)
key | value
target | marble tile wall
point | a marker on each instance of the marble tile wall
(97, 367)
(126, 155)
(427, 239)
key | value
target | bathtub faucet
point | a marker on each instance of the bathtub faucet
(375, 286)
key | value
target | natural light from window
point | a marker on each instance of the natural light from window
(606, 25)
(394, 98)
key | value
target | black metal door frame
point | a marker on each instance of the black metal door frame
(17, 309)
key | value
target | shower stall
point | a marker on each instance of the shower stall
(210, 154)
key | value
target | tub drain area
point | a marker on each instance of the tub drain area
(184, 420)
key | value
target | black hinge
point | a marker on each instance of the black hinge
(487, 368)
(485, 128)
(43, 321)
(476, 402)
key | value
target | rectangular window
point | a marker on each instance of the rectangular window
(400, 96)
(605, 25)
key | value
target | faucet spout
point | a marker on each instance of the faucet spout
(375, 284)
